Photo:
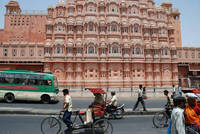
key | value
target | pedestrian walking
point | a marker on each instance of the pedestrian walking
(140, 99)
(177, 117)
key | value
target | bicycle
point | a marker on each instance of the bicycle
(191, 129)
(52, 125)
(161, 119)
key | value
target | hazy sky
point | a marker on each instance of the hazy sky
(189, 9)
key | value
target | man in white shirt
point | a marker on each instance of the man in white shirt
(177, 117)
(112, 102)
(140, 99)
(67, 108)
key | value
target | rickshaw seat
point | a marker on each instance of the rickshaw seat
(98, 109)
(81, 112)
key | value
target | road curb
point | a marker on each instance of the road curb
(56, 112)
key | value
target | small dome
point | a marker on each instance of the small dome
(13, 3)
(60, 3)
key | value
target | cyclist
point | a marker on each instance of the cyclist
(67, 108)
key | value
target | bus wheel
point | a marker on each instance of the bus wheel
(9, 98)
(45, 99)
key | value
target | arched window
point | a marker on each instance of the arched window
(138, 51)
(136, 28)
(114, 28)
(133, 51)
(91, 50)
(115, 49)
(90, 27)
(131, 28)
(58, 50)
(165, 51)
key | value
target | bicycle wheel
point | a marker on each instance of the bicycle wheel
(50, 125)
(102, 126)
(119, 114)
(190, 130)
(160, 120)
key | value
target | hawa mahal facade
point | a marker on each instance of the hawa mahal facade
(101, 43)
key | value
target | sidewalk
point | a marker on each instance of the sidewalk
(33, 111)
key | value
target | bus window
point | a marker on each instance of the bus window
(9, 80)
(49, 82)
(3, 81)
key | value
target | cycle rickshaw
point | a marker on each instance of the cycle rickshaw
(100, 125)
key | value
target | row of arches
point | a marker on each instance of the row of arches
(112, 49)
(111, 27)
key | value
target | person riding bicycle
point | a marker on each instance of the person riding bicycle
(98, 101)
(112, 102)
(191, 117)
(67, 108)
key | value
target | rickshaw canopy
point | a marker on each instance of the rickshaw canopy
(96, 90)
(196, 91)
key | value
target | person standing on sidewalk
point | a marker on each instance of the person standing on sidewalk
(140, 99)
(67, 108)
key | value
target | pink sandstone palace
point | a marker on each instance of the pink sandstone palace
(100, 43)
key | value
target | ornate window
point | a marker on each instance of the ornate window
(126, 51)
(58, 50)
(124, 29)
(186, 55)
(31, 52)
(102, 29)
(70, 10)
(70, 50)
(39, 52)
(91, 50)
(47, 50)
(14, 52)
(165, 51)
(134, 10)
(5, 52)
(136, 28)
(102, 51)
(179, 54)
(133, 51)
(174, 52)
(71, 28)
(131, 28)
(90, 27)
(91, 8)
(79, 28)
(60, 12)
(22, 52)
(148, 52)
(79, 50)
(138, 51)
(115, 49)
(193, 55)
(156, 52)
(114, 28)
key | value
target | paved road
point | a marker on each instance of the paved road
(82, 103)
(16, 124)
